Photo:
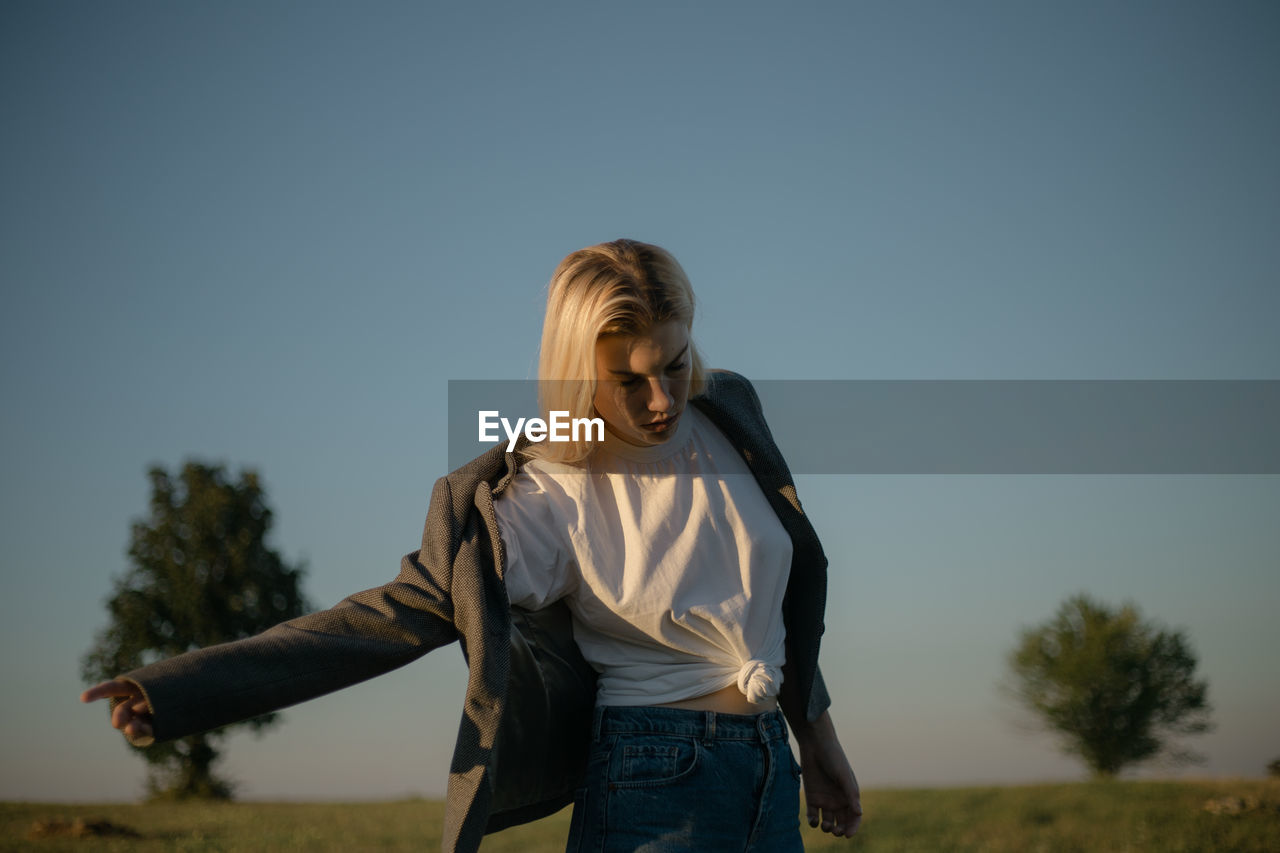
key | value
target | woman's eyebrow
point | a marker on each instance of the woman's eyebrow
(674, 359)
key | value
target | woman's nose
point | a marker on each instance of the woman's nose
(660, 399)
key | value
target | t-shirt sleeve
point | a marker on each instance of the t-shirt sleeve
(539, 567)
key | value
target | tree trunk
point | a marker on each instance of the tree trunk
(190, 775)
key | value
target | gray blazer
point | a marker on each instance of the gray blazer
(521, 748)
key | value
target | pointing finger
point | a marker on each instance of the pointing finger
(108, 689)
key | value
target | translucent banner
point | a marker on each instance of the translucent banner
(969, 426)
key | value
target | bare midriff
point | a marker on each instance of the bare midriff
(726, 701)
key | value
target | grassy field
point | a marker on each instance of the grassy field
(1115, 816)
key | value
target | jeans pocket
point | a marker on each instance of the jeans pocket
(650, 760)
(795, 765)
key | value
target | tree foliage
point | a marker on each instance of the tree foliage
(1117, 689)
(200, 573)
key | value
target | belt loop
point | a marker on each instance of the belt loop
(597, 719)
(708, 726)
(766, 724)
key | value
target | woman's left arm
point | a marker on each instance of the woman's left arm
(832, 798)
(831, 795)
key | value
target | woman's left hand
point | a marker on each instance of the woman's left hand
(831, 794)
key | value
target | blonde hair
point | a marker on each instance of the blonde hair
(620, 288)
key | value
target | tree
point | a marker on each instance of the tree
(200, 574)
(1115, 688)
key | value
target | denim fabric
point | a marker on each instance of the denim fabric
(662, 780)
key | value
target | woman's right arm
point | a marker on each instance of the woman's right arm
(365, 635)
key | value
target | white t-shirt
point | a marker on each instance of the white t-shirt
(671, 561)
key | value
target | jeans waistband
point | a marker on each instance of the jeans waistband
(705, 725)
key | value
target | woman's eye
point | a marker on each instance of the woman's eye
(676, 368)
(630, 383)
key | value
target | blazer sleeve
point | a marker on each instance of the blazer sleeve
(365, 635)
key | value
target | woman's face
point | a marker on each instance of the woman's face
(643, 382)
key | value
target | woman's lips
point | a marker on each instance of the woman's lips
(661, 426)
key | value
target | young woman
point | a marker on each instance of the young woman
(639, 612)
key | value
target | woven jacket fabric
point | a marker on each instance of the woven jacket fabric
(526, 722)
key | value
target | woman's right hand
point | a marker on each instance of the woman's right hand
(133, 715)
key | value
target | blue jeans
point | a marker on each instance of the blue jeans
(661, 780)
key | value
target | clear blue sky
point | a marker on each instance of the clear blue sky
(270, 233)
